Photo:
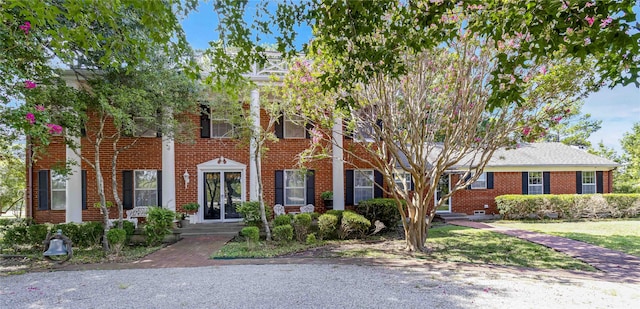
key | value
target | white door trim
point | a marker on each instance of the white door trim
(215, 166)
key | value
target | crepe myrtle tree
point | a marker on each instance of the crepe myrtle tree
(432, 120)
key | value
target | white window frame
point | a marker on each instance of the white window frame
(212, 121)
(534, 185)
(140, 131)
(304, 188)
(136, 189)
(591, 185)
(481, 182)
(355, 186)
(54, 175)
(288, 122)
(398, 177)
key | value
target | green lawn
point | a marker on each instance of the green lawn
(621, 235)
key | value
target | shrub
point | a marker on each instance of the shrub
(302, 225)
(335, 212)
(383, 209)
(159, 223)
(36, 234)
(15, 236)
(130, 228)
(327, 226)
(283, 233)
(71, 230)
(89, 234)
(251, 233)
(250, 212)
(116, 238)
(311, 239)
(570, 206)
(282, 220)
(353, 225)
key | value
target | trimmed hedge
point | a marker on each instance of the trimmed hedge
(383, 209)
(251, 233)
(569, 206)
(327, 225)
(353, 225)
(250, 212)
(283, 233)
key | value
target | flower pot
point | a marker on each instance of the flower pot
(184, 223)
(328, 204)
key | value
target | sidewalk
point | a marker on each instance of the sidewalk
(616, 264)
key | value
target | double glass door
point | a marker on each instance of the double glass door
(443, 189)
(222, 195)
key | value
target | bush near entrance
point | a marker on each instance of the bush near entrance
(569, 206)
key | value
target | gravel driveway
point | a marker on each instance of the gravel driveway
(309, 286)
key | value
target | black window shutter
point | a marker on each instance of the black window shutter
(348, 194)
(279, 127)
(309, 128)
(413, 185)
(205, 121)
(377, 190)
(127, 189)
(84, 189)
(525, 183)
(279, 187)
(43, 190)
(599, 183)
(311, 187)
(467, 179)
(546, 183)
(489, 180)
(578, 182)
(159, 188)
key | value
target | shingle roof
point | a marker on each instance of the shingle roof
(547, 154)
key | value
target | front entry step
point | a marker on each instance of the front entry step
(231, 229)
(450, 216)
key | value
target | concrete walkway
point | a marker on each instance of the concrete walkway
(617, 265)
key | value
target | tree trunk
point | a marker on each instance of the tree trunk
(103, 200)
(114, 183)
(263, 213)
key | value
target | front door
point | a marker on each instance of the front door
(443, 189)
(222, 195)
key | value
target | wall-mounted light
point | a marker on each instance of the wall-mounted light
(186, 178)
(222, 160)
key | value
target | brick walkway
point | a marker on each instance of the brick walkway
(617, 265)
(191, 251)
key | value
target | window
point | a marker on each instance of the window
(294, 185)
(481, 182)
(145, 184)
(363, 185)
(142, 128)
(58, 191)
(221, 128)
(402, 179)
(294, 127)
(535, 183)
(589, 182)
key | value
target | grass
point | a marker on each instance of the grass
(621, 235)
(241, 249)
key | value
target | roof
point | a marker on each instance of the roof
(547, 154)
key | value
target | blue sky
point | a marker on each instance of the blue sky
(618, 108)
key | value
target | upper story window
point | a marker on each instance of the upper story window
(58, 191)
(535, 183)
(145, 188)
(402, 180)
(142, 128)
(481, 182)
(363, 184)
(221, 128)
(589, 182)
(294, 127)
(294, 188)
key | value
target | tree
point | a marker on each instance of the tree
(629, 179)
(574, 129)
(433, 120)
(12, 187)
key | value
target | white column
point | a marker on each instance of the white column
(74, 184)
(338, 166)
(168, 174)
(253, 169)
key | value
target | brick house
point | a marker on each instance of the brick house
(219, 174)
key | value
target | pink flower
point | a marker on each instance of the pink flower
(31, 118)
(477, 139)
(54, 128)
(557, 119)
(526, 131)
(543, 70)
(605, 22)
(589, 20)
(25, 27)
(587, 41)
(29, 84)
(588, 4)
(40, 108)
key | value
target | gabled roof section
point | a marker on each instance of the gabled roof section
(548, 154)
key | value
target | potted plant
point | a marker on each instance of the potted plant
(181, 219)
(327, 198)
(191, 209)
